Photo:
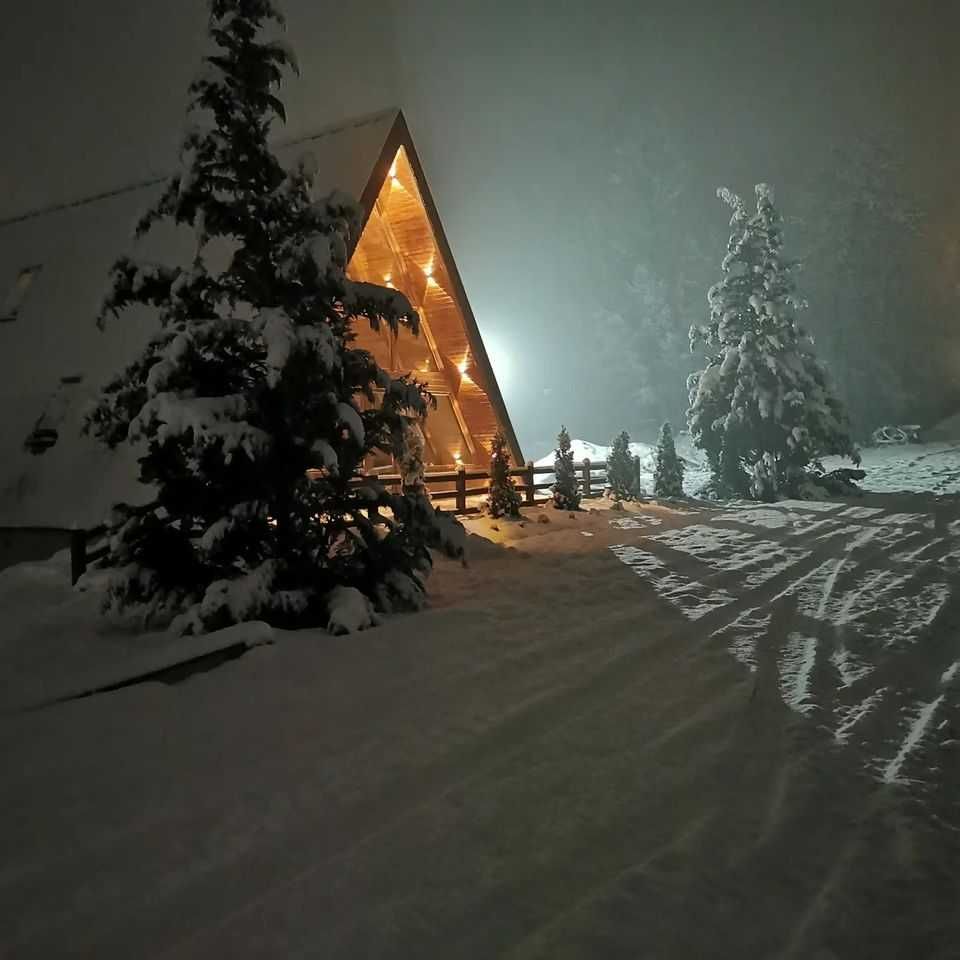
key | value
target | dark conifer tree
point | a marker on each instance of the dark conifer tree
(621, 471)
(566, 492)
(253, 378)
(668, 471)
(503, 499)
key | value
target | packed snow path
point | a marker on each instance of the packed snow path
(560, 760)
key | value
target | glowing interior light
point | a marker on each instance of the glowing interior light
(462, 366)
(457, 458)
(387, 278)
(428, 270)
(393, 169)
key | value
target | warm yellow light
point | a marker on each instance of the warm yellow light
(457, 458)
(394, 181)
(462, 365)
(387, 278)
(428, 270)
(393, 169)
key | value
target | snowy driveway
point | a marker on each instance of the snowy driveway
(561, 760)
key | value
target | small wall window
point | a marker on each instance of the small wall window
(11, 306)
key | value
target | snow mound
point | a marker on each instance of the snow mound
(598, 453)
(350, 611)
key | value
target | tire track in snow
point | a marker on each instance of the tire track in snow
(915, 734)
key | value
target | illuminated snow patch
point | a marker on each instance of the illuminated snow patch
(636, 522)
(704, 542)
(903, 519)
(770, 519)
(918, 728)
(882, 607)
(796, 665)
(818, 506)
(849, 717)
(693, 599)
(860, 513)
(850, 667)
(743, 634)
(948, 674)
(770, 563)
(840, 531)
(908, 556)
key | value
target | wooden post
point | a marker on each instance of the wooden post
(586, 479)
(78, 554)
(528, 478)
(461, 488)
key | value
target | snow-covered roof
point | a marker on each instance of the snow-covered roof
(54, 335)
(53, 359)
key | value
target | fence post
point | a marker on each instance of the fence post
(586, 478)
(461, 488)
(78, 554)
(528, 479)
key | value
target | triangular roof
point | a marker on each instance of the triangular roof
(54, 338)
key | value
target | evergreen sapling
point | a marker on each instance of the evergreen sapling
(668, 470)
(503, 499)
(621, 470)
(566, 492)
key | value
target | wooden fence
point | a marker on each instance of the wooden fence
(459, 485)
(465, 483)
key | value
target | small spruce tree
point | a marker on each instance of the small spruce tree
(621, 471)
(503, 499)
(253, 379)
(668, 471)
(566, 492)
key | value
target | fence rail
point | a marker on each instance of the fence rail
(591, 478)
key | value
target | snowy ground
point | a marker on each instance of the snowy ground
(724, 732)
(916, 467)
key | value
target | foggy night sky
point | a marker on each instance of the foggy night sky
(545, 129)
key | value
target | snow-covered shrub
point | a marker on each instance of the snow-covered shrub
(668, 470)
(761, 409)
(503, 499)
(566, 492)
(254, 378)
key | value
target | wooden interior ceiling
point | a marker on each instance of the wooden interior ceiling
(398, 249)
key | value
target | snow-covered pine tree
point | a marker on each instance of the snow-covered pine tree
(668, 470)
(621, 473)
(503, 499)
(761, 409)
(566, 492)
(253, 379)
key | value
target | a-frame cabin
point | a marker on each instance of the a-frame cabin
(53, 268)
